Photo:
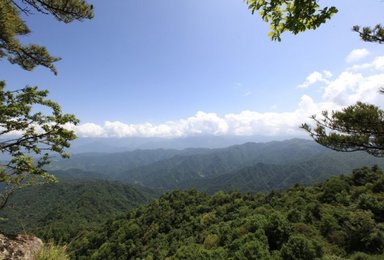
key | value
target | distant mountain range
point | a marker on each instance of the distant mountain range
(247, 167)
(114, 145)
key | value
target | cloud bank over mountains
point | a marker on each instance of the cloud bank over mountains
(358, 82)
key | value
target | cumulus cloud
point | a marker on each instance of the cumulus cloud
(376, 64)
(89, 130)
(202, 123)
(337, 90)
(349, 86)
(245, 123)
(357, 55)
(316, 77)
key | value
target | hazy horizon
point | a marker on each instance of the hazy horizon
(111, 145)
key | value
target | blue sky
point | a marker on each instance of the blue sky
(177, 68)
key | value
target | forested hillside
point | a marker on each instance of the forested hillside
(288, 162)
(112, 163)
(60, 211)
(268, 177)
(340, 218)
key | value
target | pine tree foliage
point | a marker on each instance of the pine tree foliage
(12, 27)
(359, 127)
(368, 34)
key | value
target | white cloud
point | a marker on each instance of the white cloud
(244, 123)
(337, 91)
(357, 55)
(351, 85)
(316, 77)
(376, 64)
(87, 130)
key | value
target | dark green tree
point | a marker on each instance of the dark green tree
(27, 137)
(299, 247)
(277, 230)
(332, 188)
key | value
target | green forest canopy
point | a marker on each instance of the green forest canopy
(343, 217)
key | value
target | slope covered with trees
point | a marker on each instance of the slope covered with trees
(214, 162)
(304, 160)
(60, 211)
(342, 217)
(118, 162)
(268, 177)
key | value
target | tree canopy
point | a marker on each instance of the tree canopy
(291, 15)
(28, 138)
(25, 134)
(341, 218)
(297, 16)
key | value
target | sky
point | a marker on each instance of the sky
(171, 68)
